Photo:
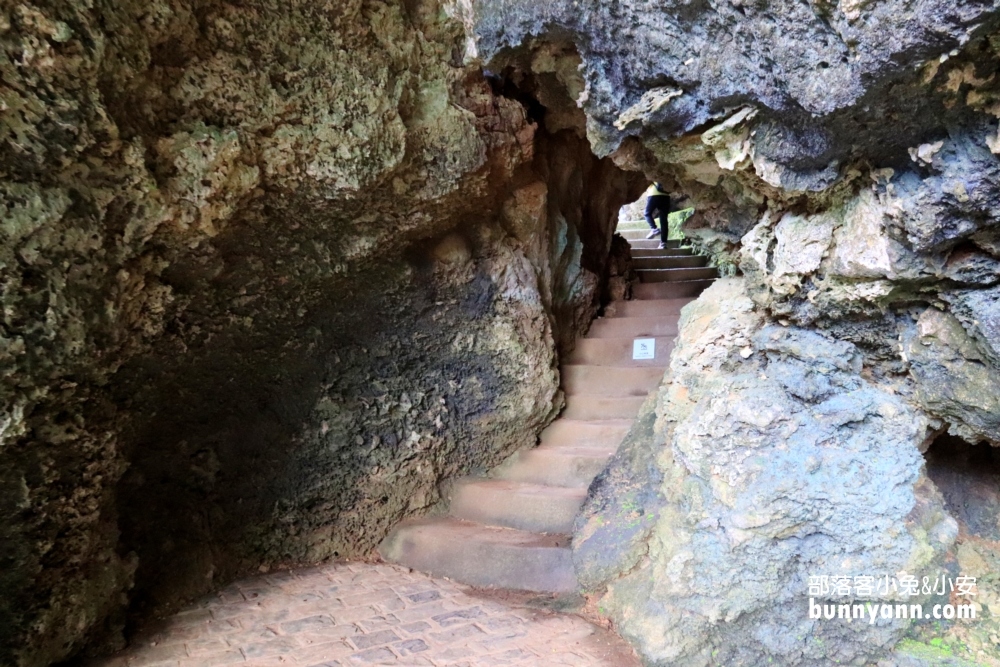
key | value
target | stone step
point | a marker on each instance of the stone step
(637, 234)
(610, 381)
(511, 530)
(576, 433)
(674, 290)
(486, 556)
(650, 308)
(574, 467)
(631, 224)
(651, 244)
(619, 351)
(641, 253)
(512, 504)
(684, 262)
(676, 275)
(633, 327)
(582, 407)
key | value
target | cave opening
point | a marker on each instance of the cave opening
(968, 476)
(681, 210)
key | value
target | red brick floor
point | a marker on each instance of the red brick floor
(364, 614)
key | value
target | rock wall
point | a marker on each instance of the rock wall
(775, 461)
(842, 157)
(749, 106)
(271, 272)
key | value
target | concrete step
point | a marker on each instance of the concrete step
(683, 262)
(640, 253)
(574, 467)
(575, 433)
(651, 308)
(511, 504)
(637, 234)
(651, 244)
(634, 327)
(582, 407)
(673, 290)
(486, 556)
(610, 381)
(631, 224)
(619, 351)
(676, 275)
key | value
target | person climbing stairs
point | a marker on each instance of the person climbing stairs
(511, 529)
(673, 264)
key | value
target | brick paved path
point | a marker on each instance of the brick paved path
(362, 614)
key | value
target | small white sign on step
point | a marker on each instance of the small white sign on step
(644, 348)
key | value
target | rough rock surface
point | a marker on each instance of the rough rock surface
(779, 462)
(843, 157)
(611, 534)
(674, 65)
(905, 269)
(746, 101)
(270, 272)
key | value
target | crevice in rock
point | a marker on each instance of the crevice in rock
(266, 442)
(276, 272)
(968, 476)
(281, 271)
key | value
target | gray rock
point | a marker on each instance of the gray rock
(913, 654)
(270, 273)
(979, 313)
(960, 196)
(622, 507)
(803, 65)
(780, 463)
(954, 377)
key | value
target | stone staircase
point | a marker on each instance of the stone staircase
(512, 528)
(672, 264)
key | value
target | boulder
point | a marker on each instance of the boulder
(775, 461)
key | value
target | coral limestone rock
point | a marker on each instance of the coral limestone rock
(272, 273)
(774, 467)
(261, 292)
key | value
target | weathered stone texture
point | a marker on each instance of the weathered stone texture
(269, 272)
(779, 462)
(843, 157)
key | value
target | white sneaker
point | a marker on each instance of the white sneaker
(653, 234)
(662, 246)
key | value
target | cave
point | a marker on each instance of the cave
(319, 317)
(968, 476)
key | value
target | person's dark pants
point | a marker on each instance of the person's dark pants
(658, 206)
